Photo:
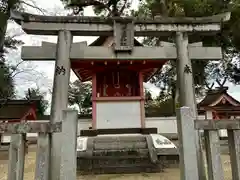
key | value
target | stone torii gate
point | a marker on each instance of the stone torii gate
(123, 30)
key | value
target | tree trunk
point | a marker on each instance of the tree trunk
(80, 108)
(176, 100)
(2, 38)
(173, 100)
(3, 28)
(0, 140)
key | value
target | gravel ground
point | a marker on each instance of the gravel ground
(169, 174)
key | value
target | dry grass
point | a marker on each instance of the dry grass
(169, 174)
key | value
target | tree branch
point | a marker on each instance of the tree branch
(123, 7)
(217, 80)
(89, 3)
(18, 64)
(33, 6)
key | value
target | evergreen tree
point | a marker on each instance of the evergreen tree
(6, 43)
(80, 94)
(6, 82)
(5, 12)
(228, 39)
(5, 8)
(36, 94)
(100, 7)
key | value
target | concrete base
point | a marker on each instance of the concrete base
(122, 154)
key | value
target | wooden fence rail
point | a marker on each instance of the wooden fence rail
(212, 144)
(67, 127)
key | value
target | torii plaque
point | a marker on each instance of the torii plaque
(123, 36)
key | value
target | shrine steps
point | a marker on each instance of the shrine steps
(121, 169)
(119, 154)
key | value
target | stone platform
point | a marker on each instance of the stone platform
(123, 153)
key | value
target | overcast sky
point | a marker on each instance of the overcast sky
(44, 77)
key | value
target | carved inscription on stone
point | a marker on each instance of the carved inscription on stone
(123, 41)
(60, 70)
(123, 36)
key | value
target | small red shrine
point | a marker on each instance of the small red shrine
(218, 104)
(117, 87)
(17, 110)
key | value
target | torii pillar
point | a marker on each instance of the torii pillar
(60, 95)
(185, 85)
(186, 89)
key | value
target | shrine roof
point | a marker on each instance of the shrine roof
(15, 109)
(218, 98)
(26, 17)
(149, 69)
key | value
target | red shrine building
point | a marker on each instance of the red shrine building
(17, 110)
(218, 104)
(14, 111)
(117, 88)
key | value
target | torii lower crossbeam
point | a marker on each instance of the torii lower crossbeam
(81, 52)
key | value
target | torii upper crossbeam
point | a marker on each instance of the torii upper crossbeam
(100, 26)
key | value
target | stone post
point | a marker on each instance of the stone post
(59, 97)
(16, 157)
(69, 153)
(187, 148)
(187, 90)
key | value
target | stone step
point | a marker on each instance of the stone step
(121, 153)
(119, 145)
(83, 163)
(113, 157)
(121, 162)
(122, 170)
(118, 154)
(115, 154)
(121, 138)
(121, 166)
